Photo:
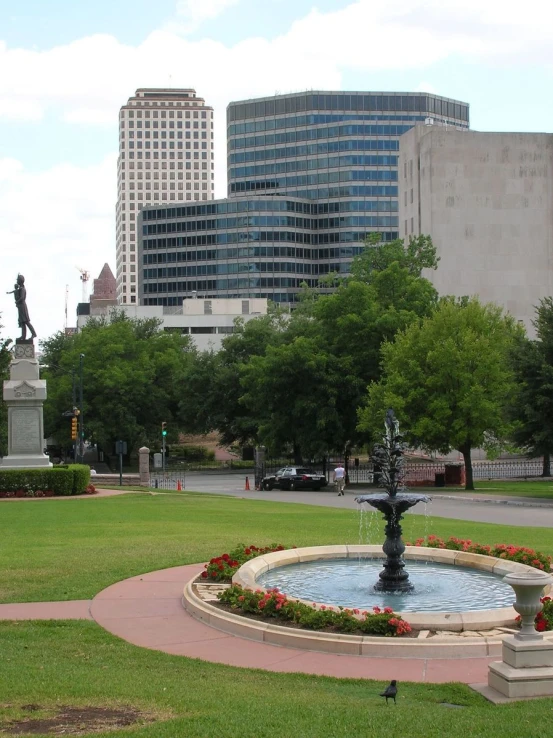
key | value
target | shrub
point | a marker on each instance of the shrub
(275, 604)
(58, 481)
(520, 554)
(191, 453)
(81, 478)
(222, 568)
(239, 464)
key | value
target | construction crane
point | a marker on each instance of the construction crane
(85, 276)
(66, 301)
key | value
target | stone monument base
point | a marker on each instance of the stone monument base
(25, 462)
(526, 671)
(24, 394)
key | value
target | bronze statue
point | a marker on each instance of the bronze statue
(20, 296)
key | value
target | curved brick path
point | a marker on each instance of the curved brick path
(147, 611)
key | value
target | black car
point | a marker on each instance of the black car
(294, 477)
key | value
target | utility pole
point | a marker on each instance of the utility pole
(163, 448)
(75, 413)
(81, 415)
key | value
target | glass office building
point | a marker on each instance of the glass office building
(309, 176)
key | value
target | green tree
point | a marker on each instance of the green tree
(385, 294)
(294, 392)
(216, 405)
(417, 254)
(344, 332)
(5, 358)
(132, 379)
(449, 380)
(532, 401)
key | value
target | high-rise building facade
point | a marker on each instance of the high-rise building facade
(165, 156)
(309, 176)
(486, 200)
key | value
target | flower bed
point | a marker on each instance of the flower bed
(544, 619)
(222, 568)
(274, 604)
(520, 554)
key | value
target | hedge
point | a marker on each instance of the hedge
(81, 478)
(191, 452)
(56, 481)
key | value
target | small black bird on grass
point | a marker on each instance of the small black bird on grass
(390, 692)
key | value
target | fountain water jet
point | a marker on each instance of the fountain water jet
(388, 457)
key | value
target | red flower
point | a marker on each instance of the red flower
(204, 574)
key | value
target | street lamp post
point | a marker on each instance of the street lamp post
(81, 415)
(74, 407)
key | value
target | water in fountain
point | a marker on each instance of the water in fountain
(388, 458)
(350, 583)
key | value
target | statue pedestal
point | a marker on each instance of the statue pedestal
(24, 394)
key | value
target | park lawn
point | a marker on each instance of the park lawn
(77, 663)
(73, 548)
(537, 489)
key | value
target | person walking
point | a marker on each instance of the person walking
(340, 478)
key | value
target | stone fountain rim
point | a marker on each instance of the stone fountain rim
(445, 647)
(471, 620)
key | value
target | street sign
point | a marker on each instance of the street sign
(120, 447)
(157, 461)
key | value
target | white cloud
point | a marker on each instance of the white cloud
(17, 109)
(89, 116)
(426, 87)
(51, 222)
(192, 13)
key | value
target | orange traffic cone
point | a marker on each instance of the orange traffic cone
(247, 486)
(179, 487)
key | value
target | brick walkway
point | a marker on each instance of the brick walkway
(147, 611)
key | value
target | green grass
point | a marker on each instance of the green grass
(77, 663)
(541, 490)
(73, 548)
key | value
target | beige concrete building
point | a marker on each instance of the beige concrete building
(487, 201)
(207, 322)
(165, 155)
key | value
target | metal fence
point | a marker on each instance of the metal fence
(513, 469)
(168, 480)
(419, 473)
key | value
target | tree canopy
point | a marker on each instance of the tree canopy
(5, 358)
(532, 400)
(297, 378)
(132, 379)
(449, 379)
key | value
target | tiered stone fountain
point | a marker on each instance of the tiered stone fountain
(393, 502)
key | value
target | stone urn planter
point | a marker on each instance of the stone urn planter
(528, 588)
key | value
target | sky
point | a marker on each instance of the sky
(66, 67)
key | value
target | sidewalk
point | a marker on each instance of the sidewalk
(147, 611)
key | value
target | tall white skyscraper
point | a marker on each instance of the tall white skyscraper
(165, 156)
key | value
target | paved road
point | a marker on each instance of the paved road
(507, 511)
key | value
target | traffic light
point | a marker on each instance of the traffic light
(73, 429)
(163, 428)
